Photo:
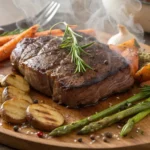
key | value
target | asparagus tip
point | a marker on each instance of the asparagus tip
(127, 128)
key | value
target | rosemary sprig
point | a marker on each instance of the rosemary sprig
(70, 42)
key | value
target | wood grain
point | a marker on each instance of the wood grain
(27, 139)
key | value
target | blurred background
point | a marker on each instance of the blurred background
(102, 15)
(14, 10)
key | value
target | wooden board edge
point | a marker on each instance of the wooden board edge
(27, 142)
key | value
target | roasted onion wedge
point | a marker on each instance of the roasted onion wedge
(16, 81)
(44, 117)
(12, 92)
(14, 111)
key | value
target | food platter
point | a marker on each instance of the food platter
(26, 138)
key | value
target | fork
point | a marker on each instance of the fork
(42, 18)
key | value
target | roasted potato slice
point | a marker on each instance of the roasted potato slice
(1, 78)
(16, 81)
(14, 111)
(12, 92)
(44, 117)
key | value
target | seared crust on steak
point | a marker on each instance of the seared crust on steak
(49, 70)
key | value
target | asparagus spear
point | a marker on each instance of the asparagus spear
(145, 92)
(132, 121)
(107, 121)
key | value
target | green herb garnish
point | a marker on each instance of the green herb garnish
(70, 42)
(14, 32)
(17, 31)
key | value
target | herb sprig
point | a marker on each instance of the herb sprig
(70, 42)
(14, 32)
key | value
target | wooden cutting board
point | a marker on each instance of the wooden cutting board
(27, 139)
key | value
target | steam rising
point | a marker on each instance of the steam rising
(113, 12)
(102, 15)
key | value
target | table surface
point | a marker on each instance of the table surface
(15, 13)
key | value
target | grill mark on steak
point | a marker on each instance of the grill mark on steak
(50, 71)
(50, 51)
(50, 46)
(37, 45)
(95, 78)
(19, 50)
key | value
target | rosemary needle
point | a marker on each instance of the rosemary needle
(70, 42)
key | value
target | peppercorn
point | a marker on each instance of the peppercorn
(92, 137)
(105, 139)
(40, 134)
(35, 101)
(108, 135)
(16, 128)
(80, 140)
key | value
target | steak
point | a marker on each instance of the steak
(49, 70)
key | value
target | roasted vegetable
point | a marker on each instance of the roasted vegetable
(121, 37)
(129, 50)
(14, 110)
(7, 36)
(107, 121)
(143, 74)
(44, 117)
(7, 48)
(132, 121)
(16, 81)
(12, 92)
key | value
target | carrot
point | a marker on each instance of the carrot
(129, 50)
(5, 39)
(7, 48)
(143, 74)
(58, 32)
(88, 31)
(132, 58)
(55, 32)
